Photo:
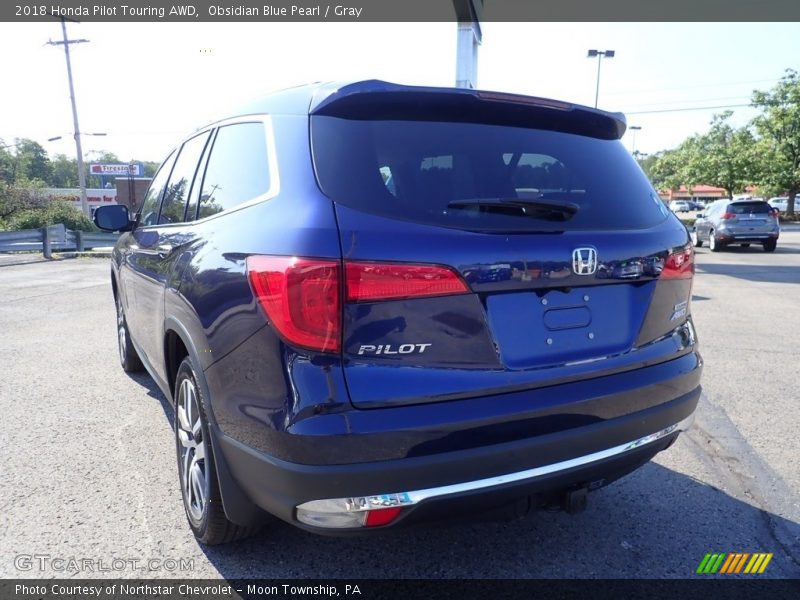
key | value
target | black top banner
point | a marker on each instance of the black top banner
(401, 10)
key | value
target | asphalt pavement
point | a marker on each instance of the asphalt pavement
(88, 473)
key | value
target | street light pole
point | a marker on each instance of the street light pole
(634, 129)
(599, 54)
(81, 173)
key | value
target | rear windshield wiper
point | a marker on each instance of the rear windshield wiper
(541, 208)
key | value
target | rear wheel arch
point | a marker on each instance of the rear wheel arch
(114, 284)
(178, 345)
(175, 350)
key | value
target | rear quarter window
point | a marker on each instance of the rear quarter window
(237, 170)
(415, 170)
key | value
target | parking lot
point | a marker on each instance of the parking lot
(89, 472)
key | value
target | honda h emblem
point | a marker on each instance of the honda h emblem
(584, 261)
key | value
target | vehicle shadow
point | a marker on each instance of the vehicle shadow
(655, 523)
(144, 380)
(762, 273)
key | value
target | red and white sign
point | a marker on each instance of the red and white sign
(117, 169)
(94, 197)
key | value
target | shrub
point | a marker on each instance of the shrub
(55, 212)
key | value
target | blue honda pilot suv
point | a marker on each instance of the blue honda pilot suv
(375, 304)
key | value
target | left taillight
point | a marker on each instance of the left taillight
(301, 297)
(679, 264)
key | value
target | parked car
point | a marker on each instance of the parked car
(781, 203)
(350, 355)
(677, 206)
(742, 222)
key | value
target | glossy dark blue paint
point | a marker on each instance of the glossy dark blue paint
(484, 380)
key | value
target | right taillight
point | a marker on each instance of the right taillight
(373, 282)
(679, 264)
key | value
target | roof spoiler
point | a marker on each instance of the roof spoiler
(374, 99)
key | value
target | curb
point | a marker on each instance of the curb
(102, 254)
(40, 259)
(57, 256)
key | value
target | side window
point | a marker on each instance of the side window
(238, 169)
(180, 182)
(148, 214)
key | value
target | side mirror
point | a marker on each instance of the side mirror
(112, 218)
(700, 216)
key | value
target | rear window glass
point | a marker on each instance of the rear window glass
(747, 208)
(455, 175)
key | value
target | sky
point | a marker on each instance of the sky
(147, 84)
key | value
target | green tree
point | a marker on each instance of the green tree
(31, 162)
(724, 157)
(664, 169)
(15, 199)
(64, 172)
(150, 168)
(779, 127)
(6, 163)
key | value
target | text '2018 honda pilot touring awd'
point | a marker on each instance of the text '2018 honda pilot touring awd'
(375, 304)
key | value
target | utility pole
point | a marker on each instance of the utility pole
(81, 172)
(468, 13)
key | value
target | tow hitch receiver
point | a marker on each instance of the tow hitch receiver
(575, 500)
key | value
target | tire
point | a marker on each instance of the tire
(698, 243)
(197, 474)
(713, 244)
(128, 358)
(769, 246)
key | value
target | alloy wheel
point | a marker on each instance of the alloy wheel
(122, 332)
(192, 451)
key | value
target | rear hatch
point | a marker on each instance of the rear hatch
(750, 217)
(492, 243)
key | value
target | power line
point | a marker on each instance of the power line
(694, 101)
(693, 87)
(668, 110)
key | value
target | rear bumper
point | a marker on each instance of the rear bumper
(588, 456)
(736, 238)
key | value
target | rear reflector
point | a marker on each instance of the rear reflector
(376, 518)
(361, 511)
(370, 282)
(301, 297)
(679, 264)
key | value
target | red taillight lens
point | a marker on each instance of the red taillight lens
(366, 281)
(301, 297)
(383, 516)
(679, 264)
(727, 216)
